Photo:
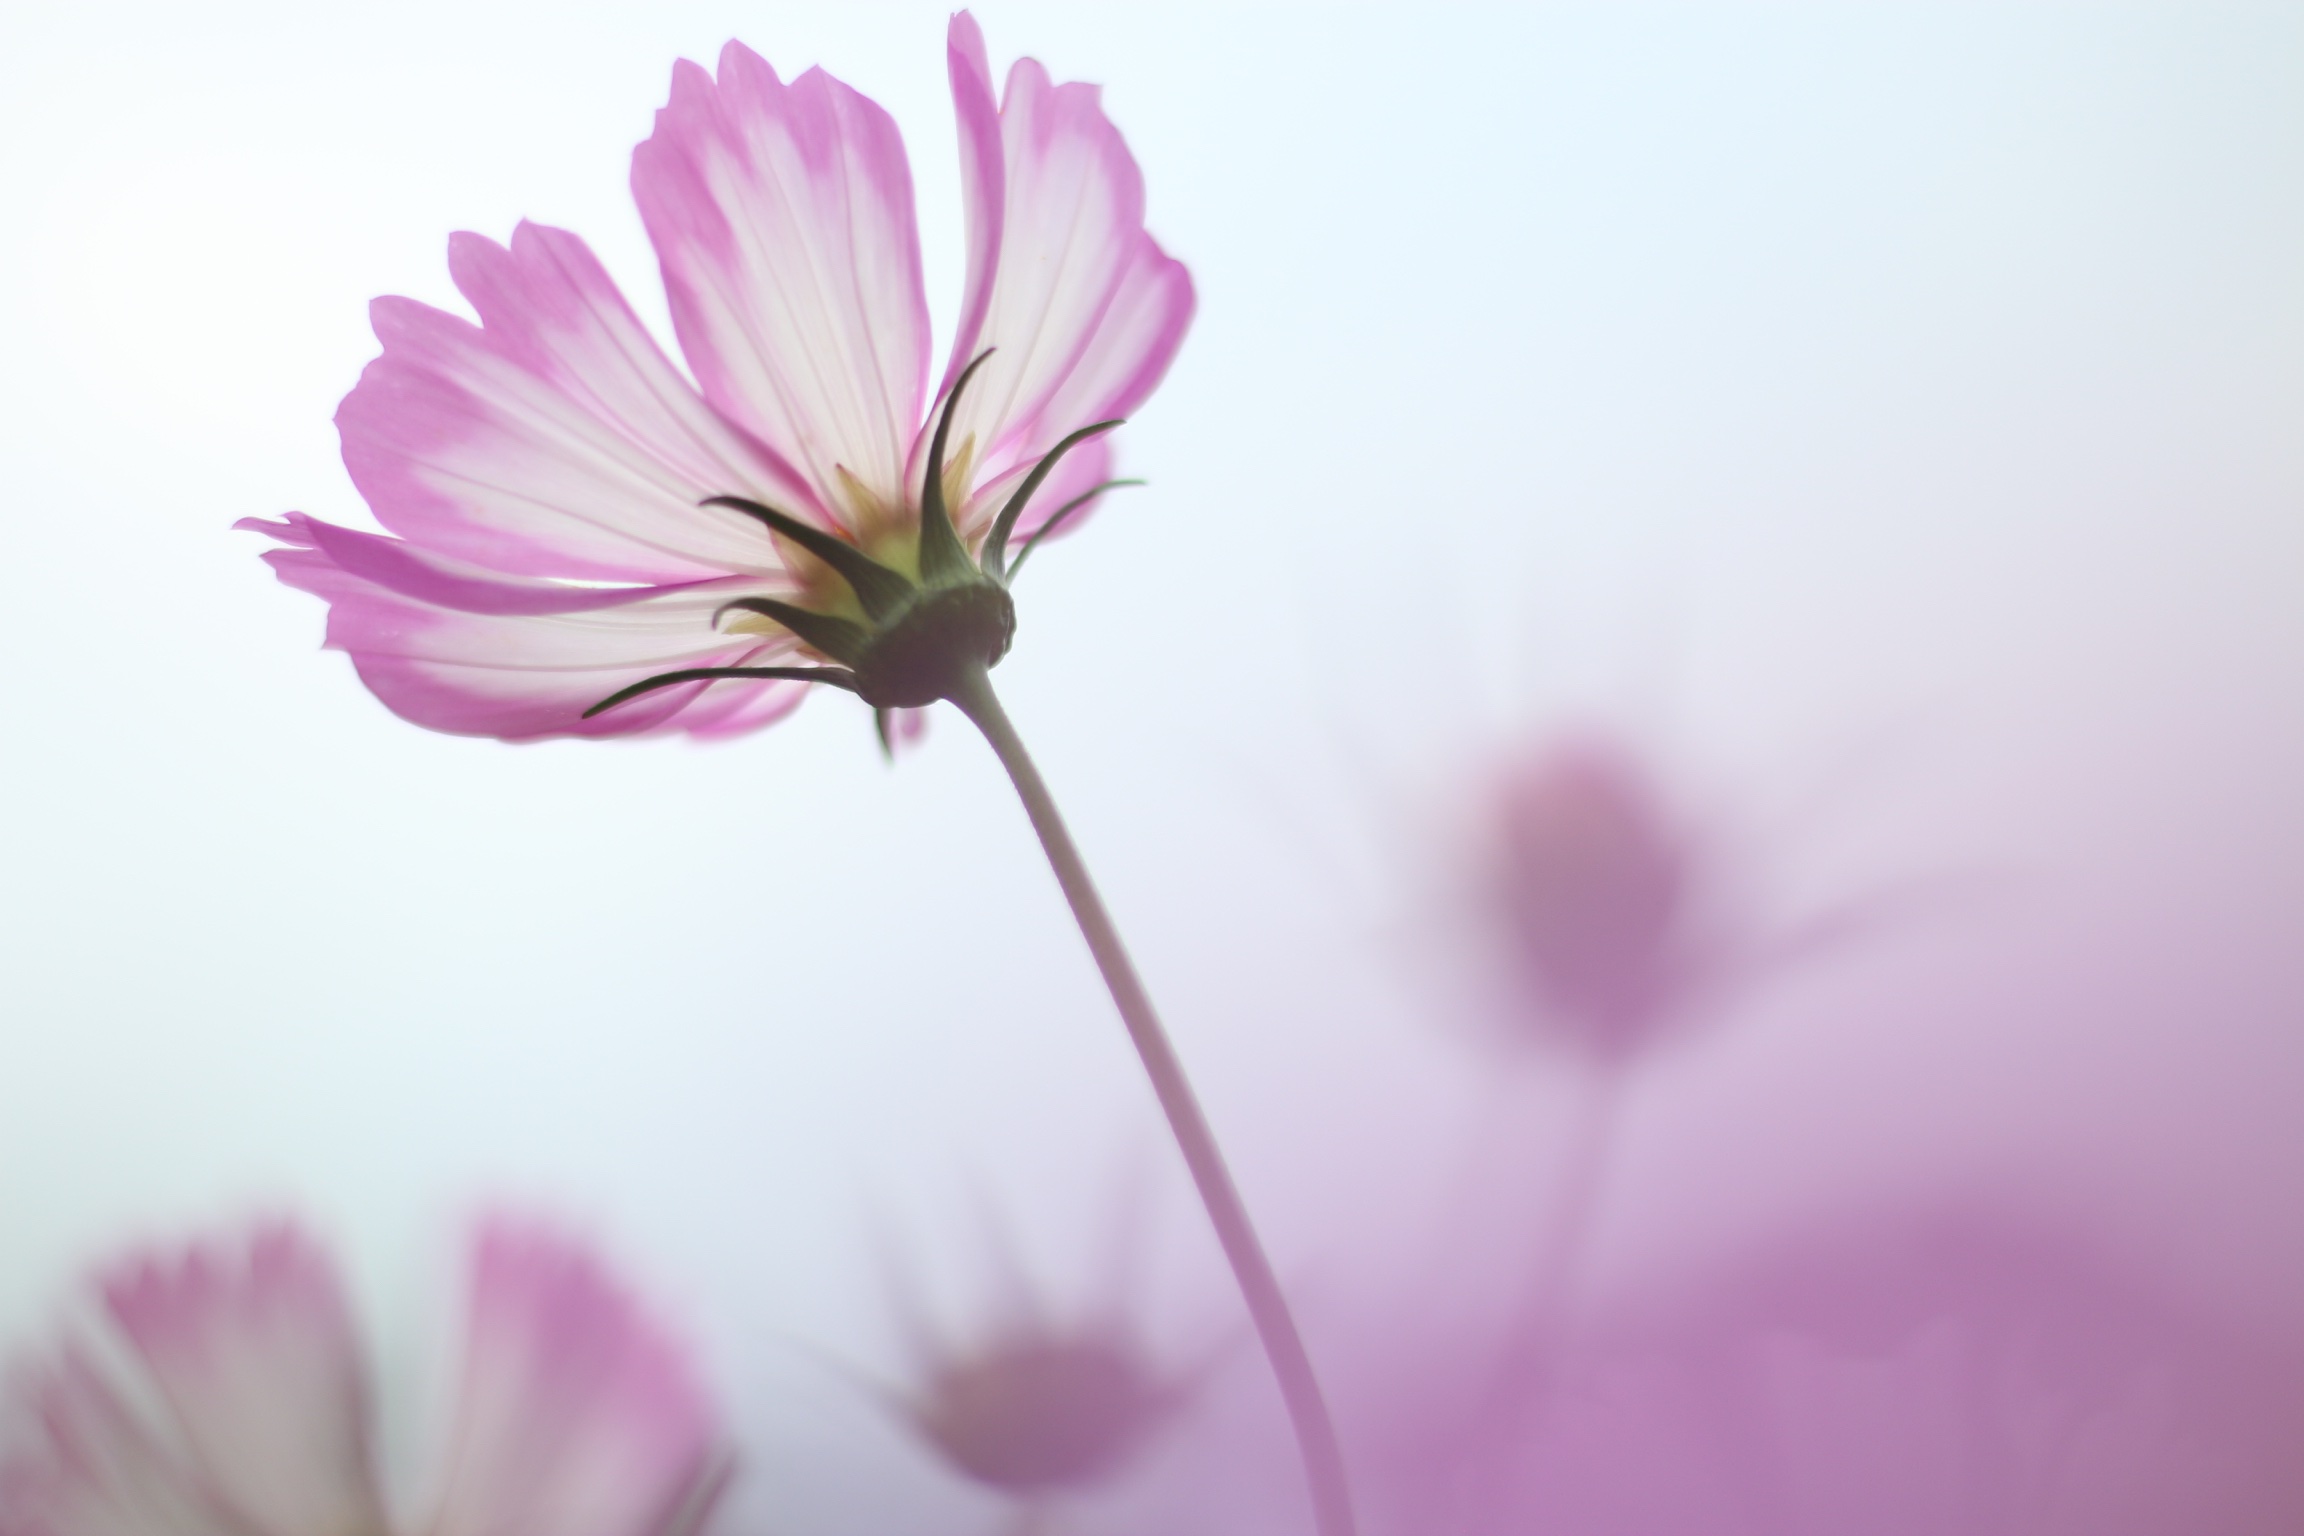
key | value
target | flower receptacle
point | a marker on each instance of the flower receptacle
(923, 653)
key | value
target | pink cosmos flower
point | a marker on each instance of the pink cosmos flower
(247, 1413)
(575, 517)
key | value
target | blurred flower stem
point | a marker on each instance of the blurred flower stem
(1528, 1364)
(1259, 1287)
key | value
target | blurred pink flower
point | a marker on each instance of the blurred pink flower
(1038, 1410)
(1032, 1400)
(546, 471)
(1614, 921)
(1590, 885)
(247, 1412)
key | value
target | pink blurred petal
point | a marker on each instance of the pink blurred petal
(783, 218)
(1084, 309)
(452, 648)
(251, 1348)
(553, 439)
(81, 1464)
(578, 1416)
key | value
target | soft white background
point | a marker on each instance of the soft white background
(1891, 415)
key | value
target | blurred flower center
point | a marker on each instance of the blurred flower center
(1034, 1414)
(1591, 888)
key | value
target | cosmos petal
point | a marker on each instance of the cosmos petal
(253, 1352)
(84, 1465)
(1083, 309)
(578, 1416)
(783, 217)
(983, 180)
(452, 648)
(554, 438)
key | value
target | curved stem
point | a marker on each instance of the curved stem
(1259, 1287)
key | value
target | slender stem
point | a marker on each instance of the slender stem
(1529, 1364)
(1259, 1287)
(1575, 1200)
(1524, 1387)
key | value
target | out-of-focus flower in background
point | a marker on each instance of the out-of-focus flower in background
(1591, 887)
(244, 1405)
(1037, 1410)
(1591, 919)
(1607, 918)
(1917, 1360)
(1042, 1404)
(575, 518)
(1594, 919)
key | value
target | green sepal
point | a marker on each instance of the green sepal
(995, 556)
(943, 559)
(838, 677)
(878, 589)
(841, 639)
